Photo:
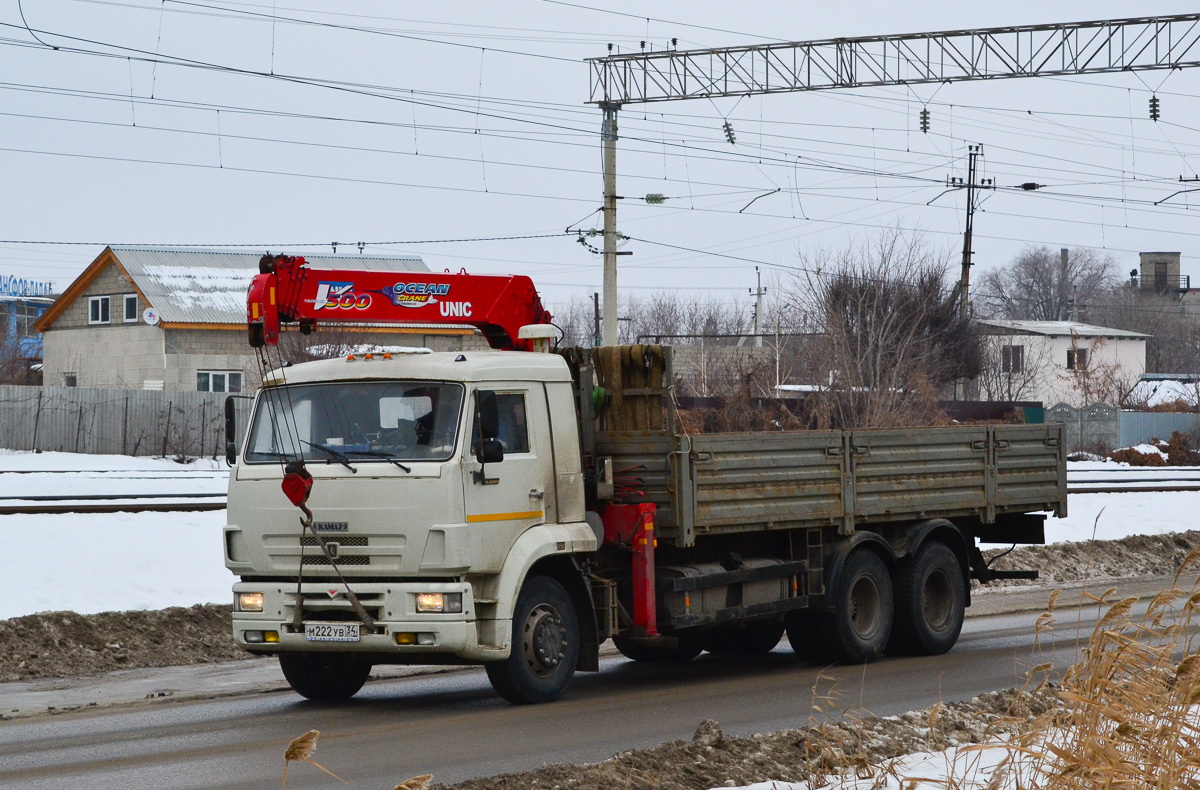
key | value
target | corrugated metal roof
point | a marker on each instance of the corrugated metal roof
(209, 287)
(1060, 328)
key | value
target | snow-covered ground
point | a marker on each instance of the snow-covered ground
(104, 562)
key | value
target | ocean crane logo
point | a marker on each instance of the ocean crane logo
(339, 296)
(415, 294)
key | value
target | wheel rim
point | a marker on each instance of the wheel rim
(864, 606)
(545, 640)
(937, 600)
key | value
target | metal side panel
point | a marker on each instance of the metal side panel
(764, 480)
(907, 473)
(1030, 471)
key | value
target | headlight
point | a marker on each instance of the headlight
(439, 602)
(250, 602)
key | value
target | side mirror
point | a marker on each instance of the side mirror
(490, 451)
(230, 431)
(487, 413)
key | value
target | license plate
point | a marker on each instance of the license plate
(331, 632)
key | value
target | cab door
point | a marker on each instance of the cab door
(505, 498)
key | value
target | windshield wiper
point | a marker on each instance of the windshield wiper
(337, 455)
(385, 456)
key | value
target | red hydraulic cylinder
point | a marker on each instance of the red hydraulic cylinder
(645, 606)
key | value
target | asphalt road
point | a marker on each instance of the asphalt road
(453, 726)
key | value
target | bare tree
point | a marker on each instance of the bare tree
(1174, 342)
(894, 335)
(1037, 286)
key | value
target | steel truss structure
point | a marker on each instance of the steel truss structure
(1113, 45)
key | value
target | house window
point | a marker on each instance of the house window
(131, 308)
(1077, 358)
(98, 310)
(218, 381)
(1012, 359)
(70, 379)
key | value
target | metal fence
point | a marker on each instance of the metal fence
(125, 422)
(1138, 427)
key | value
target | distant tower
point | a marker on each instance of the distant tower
(1160, 272)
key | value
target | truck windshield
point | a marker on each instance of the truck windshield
(364, 421)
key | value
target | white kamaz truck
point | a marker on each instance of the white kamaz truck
(517, 508)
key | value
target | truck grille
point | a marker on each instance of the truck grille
(341, 540)
(344, 560)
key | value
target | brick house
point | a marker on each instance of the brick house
(172, 319)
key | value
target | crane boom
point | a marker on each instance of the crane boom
(286, 291)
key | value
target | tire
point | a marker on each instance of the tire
(858, 628)
(685, 650)
(324, 677)
(545, 645)
(931, 600)
(749, 639)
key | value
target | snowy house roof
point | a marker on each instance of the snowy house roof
(206, 287)
(1056, 329)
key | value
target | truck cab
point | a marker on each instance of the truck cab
(440, 480)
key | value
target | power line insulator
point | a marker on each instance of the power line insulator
(925, 120)
(1154, 113)
(727, 127)
(656, 198)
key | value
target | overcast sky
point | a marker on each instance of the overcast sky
(266, 124)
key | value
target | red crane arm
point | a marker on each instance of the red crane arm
(288, 292)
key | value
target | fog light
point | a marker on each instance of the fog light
(255, 637)
(406, 639)
(424, 639)
(439, 602)
(250, 602)
(270, 636)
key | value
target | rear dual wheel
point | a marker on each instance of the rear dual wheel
(858, 628)
(931, 597)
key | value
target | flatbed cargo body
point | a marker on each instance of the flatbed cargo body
(721, 484)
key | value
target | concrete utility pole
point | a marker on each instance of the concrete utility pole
(1097, 47)
(964, 284)
(758, 295)
(608, 134)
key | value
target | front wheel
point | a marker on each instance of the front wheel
(324, 677)
(545, 645)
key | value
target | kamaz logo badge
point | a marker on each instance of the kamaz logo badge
(339, 296)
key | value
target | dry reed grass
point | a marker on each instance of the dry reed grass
(300, 750)
(1127, 714)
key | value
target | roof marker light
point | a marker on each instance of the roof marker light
(349, 357)
(387, 356)
(368, 356)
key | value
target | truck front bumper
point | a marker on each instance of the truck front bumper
(400, 634)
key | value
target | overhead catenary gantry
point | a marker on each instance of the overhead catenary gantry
(1073, 48)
